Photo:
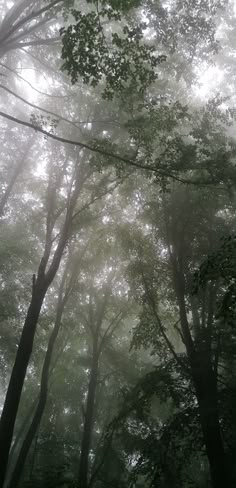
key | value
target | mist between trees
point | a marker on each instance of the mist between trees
(117, 244)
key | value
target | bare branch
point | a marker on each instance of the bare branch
(39, 42)
(59, 117)
(31, 86)
(111, 327)
(159, 322)
(28, 18)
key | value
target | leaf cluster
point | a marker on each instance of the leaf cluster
(120, 60)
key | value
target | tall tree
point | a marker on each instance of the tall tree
(56, 240)
(65, 289)
(101, 319)
(182, 234)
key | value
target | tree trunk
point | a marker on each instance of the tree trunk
(19, 466)
(17, 171)
(88, 425)
(206, 392)
(14, 391)
(8, 190)
(40, 287)
(205, 382)
(20, 433)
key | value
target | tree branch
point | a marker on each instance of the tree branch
(37, 107)
(103, 152)
(28, 18)
(159, 322)
(31, 86)
(39, 42)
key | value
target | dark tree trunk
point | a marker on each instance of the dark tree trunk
(14, 391)
(33, 458)
(206, 392)
(205, 382)
(15, 478)
(88, 425)
(214, 445)
(20, 435)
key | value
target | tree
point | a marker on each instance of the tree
(65, 289)
(182, 235)
(131, 115)
(23, 20)
(54, 248)
(98, 313)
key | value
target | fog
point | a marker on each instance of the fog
(117, 244)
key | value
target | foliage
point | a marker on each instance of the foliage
(122, 58)
(221, 266)
(144, 242)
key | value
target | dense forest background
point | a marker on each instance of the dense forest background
(117, 244)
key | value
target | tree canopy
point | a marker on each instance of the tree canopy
(117, 249)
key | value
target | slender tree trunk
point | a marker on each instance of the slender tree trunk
(19, 436)
(40, 287)
(8, 190)
(18, 169)
(33, 458)
(19, 466)
(14, 391)
(88, 425)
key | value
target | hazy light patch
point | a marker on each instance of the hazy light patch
(144, 17)
(167, 6)
(209, 81)
(105, 219)
(33, 78)
(41, 169)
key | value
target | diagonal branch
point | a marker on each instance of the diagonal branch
(159, 322)
(24, 34)
(31, 86)
(59, 117)
(94, 199)
(111, 327)
(39, 42)
(104, 152)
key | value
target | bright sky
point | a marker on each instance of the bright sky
(10, 4)
(209, 81)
